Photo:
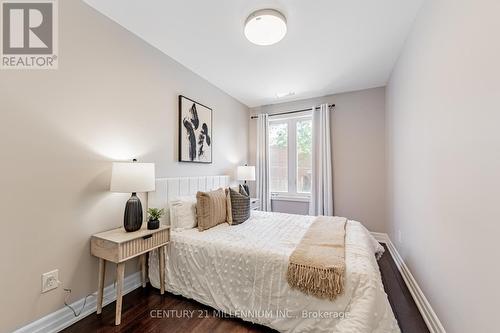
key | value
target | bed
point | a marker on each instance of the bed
(241, 271)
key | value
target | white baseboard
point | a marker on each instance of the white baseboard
(421, 301)
(64, 317)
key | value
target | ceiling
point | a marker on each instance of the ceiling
(331, 46)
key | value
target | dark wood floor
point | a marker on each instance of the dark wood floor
(137, 315)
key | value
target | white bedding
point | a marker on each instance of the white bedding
(241, 270)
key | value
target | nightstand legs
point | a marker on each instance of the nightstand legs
(100, 284)
(120, 272)
(161, 256)
(142, 259)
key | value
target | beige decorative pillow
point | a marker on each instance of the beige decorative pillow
(229, 213)
(211, 208)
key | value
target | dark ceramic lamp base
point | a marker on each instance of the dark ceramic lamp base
(133, 214)
(245, 186)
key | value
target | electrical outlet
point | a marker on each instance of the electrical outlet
(50, 280)
(400, 238)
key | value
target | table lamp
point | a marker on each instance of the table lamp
(132, 177)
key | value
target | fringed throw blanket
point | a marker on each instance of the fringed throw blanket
(316, 267)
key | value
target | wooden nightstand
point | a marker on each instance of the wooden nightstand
(118, 246)
(254, 204)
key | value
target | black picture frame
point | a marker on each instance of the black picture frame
(184, 143)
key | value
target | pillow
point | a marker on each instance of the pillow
(229, 215)
(183, 213)
(240, 206)
(211, 208)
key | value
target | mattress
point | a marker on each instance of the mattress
(241, 271)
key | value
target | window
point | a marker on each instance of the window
(304, 155)
(278, 152)
(290, 150)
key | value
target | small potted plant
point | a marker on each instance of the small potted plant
(154, 215)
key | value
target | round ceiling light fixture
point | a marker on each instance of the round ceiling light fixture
(265, 27)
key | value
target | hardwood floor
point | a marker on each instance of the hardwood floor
(139, 311)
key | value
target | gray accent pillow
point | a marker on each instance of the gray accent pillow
(240, 206)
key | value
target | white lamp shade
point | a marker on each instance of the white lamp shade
(132, 177)
(245, 172)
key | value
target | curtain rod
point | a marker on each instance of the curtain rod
(295, 111)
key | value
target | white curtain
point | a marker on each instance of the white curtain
(262, 165)
(322, 179)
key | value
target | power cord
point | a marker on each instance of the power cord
(68, 293)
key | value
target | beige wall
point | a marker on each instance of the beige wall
(443, 141)
(358, 142)
(114, 97)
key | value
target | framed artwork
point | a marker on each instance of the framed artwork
(195, 131)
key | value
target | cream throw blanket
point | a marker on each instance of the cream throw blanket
(316, 267)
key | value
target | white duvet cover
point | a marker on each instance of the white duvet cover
(241, 270)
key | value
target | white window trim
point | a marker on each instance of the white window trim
(284, 196)
(291, 194)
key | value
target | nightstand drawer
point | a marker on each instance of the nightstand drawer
(143, 244)
(118, 245)
(254, 204)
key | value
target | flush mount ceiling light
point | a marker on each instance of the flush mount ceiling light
(265, 27)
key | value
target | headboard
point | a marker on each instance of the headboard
(169, 188)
